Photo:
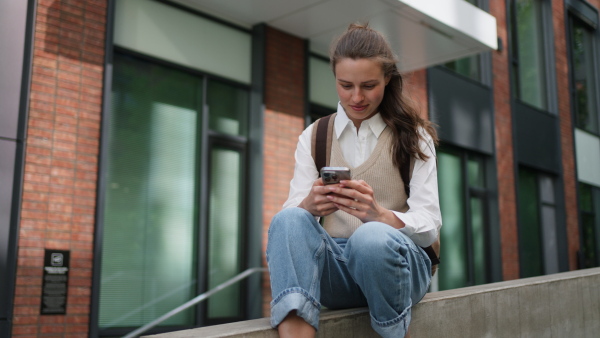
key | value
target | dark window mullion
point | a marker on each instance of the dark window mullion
(467, 218)
(203, 202)
(514, 58)
(487, 237)
(540, 218)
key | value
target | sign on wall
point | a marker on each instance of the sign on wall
(56, 278)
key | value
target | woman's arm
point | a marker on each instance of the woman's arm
(306, 188)
(423, 219)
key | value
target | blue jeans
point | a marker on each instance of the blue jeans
(378, 267)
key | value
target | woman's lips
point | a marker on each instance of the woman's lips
(358, 108)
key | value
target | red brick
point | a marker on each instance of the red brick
(284, 60)
(52, 329)
(77, 320)
(25, 320)
(52, 319)
(19, 330)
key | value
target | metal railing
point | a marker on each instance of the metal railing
(194, 301)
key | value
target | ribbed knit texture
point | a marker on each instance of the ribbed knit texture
(380, 173)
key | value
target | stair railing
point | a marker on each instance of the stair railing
(194, 301)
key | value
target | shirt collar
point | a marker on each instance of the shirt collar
(375, 123)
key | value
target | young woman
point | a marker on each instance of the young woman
(369, 250)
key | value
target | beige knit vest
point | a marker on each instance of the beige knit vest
(380, 173)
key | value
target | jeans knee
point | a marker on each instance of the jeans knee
(374, 240)
(292, 224)
(288, 219)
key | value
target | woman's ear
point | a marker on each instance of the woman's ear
(387, 80)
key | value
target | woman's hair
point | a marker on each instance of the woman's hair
(362, 42)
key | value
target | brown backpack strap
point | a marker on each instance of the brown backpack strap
(321, 141)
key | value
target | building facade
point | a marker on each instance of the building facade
(145, 145)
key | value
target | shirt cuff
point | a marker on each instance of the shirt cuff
(424, 238)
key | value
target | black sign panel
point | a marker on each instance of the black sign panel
(56, 278)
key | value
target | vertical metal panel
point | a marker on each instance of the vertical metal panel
(255, 168)
(463, 110)
(13, 23)
(7, 165)
(16, 30)
(537, 138)
(102, 169)
(4, 328)
(587, 157)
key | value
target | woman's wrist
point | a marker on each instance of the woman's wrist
(390, 218)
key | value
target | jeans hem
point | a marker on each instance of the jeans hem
(396, 327)
(307, 307)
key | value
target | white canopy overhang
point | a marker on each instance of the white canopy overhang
(422, 32)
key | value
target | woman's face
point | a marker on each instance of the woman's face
(360, 86)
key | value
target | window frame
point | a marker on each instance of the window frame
(484, 67)
(230, 142)
(549, 260)
(205, 139)
(574, 15)
(595, 213)
(550, 87)
(485, 195)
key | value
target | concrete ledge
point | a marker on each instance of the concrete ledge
(560, 305)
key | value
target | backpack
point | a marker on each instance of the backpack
(321, 152)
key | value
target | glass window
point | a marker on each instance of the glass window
(530, 253)
(152, 224)
(228, 108)
(148, 260)
(538, 241)
(225, 230)
(584, 76)
(478, 238)
(451, 190)
(529, 61)
(468, 66)
(463, 202)
(589, 208)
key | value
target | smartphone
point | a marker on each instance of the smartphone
(333, 175)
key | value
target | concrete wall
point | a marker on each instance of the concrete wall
(560, 305)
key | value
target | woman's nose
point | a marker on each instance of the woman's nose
(357, 96)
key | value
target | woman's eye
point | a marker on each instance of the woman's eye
(346, 86)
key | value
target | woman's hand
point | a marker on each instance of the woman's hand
(358, 199)
(317, 202)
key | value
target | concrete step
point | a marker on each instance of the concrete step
(559, 305)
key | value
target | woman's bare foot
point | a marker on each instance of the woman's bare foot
(295, 326)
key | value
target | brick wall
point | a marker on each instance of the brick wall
(504, 148)
(59, 188)
(284, 73)
(284, 122)
(566, 130)
(415, 89)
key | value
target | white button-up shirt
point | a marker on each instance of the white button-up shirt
(423, 219)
